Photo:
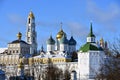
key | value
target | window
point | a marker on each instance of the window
(13, 51)
(16, 51)
(28, 29)
(29, 21)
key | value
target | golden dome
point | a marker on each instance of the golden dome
(60, 34)
(101, 40)
(31, 15)
(19, 35)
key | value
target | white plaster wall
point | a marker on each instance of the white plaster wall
(50, 47)
(83, 65)
(90, 39)
(64, 47)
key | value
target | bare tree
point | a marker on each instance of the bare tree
(74, 56)
(52, 73)
(110, 70)
(66, 75)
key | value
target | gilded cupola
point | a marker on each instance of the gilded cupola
(19, 35)
(31, 15)
(60, 33)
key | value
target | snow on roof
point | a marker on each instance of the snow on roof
(2, 50)
(51, 56)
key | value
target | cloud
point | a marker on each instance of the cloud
(16, 19)
(110, 13)
(46, 24)
(106, 16)
(77, 29)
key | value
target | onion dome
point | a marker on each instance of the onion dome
(19, 35)
(60, 34)
(101, 40)
(64, 40)
(50, 41)
(31, 15)
(91, 32)
(72, 41)
(18, 41)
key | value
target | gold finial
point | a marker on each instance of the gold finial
(60, 33)
(101, 40)
(19, 35)
(61, 25)
(31, 15)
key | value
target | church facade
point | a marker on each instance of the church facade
(82, 64)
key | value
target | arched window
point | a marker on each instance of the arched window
(29, 20)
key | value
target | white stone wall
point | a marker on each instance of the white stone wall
(83, 65)
(9, 59)
(50, 47)
(17, 48)
(71, 66)
(64, 47)
(31, 35)
(89, 63)
(90, 39)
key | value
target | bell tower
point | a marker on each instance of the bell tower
(31, 35)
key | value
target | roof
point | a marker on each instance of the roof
(18, 41)
(72, 41)
(31, 15)
(2, 50)
(91, 32)
(64, 40)
(50, 40)
(90, 46)
(59, 55)
(60, 34)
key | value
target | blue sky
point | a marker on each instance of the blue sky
(75, 15)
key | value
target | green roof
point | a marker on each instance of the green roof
(91, 32)
(90, 46)
(64, 40)
(50, 41)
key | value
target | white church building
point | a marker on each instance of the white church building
(60, 51)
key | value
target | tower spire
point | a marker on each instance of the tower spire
(91, 31)
(31, 34)
(31, 15)
(61, 24)
(91, 36)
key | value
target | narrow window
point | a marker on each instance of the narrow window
(29, 21)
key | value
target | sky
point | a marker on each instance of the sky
(76, 16)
